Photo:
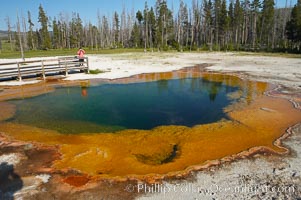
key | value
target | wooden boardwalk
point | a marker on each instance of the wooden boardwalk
(42, 68)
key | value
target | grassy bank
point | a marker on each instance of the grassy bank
(61, 52)
(284, 55)
(7, 53)
(71, 52)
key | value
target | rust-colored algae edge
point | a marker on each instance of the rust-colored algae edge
(241, 155)
(289, 131)
(244, 154)
(154, 177)
(258, 150)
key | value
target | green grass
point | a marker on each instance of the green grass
(62, 52)
(36, 53)
(7, 53)
(96, 71)
(284, 55)
(72, 52)
(6, 45)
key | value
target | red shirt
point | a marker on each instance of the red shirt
(81, 53)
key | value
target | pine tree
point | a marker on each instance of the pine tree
(246, 22)
(231, 25)
(139, 17)
(152, 27)
(76, 36)
(267, 22)
(197, 17)
(217, 18)
(135, 36)
(231, 15)
(164, 23)
(45, 37)
(55, 38)
(223, 24)
(140, 20)
(79, 31)
(255, 6)
(146, 26)
(105, 32)
(208, 23)
(293, 26)
(116, 28)
(183, 25)
(38, 39)
(238, 13)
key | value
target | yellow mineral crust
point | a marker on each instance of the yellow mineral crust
(256, 122)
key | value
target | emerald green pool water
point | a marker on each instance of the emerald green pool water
(113, 107)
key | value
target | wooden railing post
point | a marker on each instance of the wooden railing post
(19, 72)
(43, 70)
(59, 62)
(66, 67)
(88, 70)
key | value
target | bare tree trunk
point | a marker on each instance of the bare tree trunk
(273, 34)
(246, 31)
(151, 39)
(9, 32)
(210, 38)
(96, 41)
(192, 38)
(24, 32)
(99, 29)
(190, 29)
(284, 24)
(236, 35)
(146, 34)
(261, 31)
(243, 30)
(163, 27)
(180, 34)
(91, 35)
(254, 30)
(67, 30)
(216, 28)
(20, 38)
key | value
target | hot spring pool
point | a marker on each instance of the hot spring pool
(159, 123)
(114, 107)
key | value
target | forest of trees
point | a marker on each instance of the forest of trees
(207, 24)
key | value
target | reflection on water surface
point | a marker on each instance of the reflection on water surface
(191, 134)
(114, 107)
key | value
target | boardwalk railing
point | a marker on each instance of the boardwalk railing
(42, 68)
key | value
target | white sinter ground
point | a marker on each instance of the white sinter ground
(277, 177)
(281, 70)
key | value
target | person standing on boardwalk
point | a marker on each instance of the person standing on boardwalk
(81, 54)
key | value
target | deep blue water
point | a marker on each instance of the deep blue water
(112, 107)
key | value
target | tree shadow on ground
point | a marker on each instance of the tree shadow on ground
(10, 182)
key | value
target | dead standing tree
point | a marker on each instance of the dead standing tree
(20, 37)
(9, 29)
